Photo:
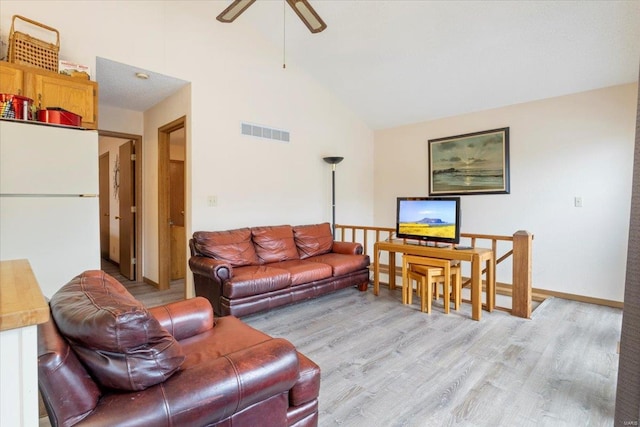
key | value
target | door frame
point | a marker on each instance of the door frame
(126, 199)
(164, 228)
(137, 140)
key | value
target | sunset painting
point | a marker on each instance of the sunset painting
(475, 163)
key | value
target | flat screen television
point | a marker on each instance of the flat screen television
(430, 219)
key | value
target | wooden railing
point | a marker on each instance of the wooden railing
(519, 250)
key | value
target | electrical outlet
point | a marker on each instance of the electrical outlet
(212, 201)
(577, 201)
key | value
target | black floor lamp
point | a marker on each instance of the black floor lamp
(333, 161)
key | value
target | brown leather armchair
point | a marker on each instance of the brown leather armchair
(219, 372)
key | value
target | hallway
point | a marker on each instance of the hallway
(149, 295)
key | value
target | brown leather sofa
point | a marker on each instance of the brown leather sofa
(248, 270)
(106, 360)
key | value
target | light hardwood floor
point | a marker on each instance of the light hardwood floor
(385, 364)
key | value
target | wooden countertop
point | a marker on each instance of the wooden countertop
(21, 300)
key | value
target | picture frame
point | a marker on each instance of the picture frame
(472, 163)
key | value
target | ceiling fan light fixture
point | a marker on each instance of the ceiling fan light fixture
(308, 15)
(234, 10)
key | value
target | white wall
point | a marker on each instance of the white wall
(235, 76)
(121, 120)
(577, 145)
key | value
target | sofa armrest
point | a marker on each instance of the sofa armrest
(67, 390)
(184, 319)
(211, 268)
(233, 382)
(208, 392)
(347, 248)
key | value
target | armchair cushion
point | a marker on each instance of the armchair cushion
(120, 343)
(274, 243)
(312, 240)
(232, 246)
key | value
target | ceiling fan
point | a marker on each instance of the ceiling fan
(302, 8)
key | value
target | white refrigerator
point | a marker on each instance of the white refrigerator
(49, 206)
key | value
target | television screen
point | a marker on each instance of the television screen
(435, 219)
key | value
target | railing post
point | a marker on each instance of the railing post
(521, 298)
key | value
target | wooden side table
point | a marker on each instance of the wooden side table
(475, 255)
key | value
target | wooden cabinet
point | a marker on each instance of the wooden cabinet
(73, 94)
(49, 89)
(11, 80)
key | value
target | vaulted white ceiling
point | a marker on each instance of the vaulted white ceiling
(403, 61)
(396, 62)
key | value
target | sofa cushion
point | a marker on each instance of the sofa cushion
(341, 263)
(303, 271)
(274, 243)
(232, 246)
(255, 280)
(312, 240)
(121, 344)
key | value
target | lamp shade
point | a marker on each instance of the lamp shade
(333, 160)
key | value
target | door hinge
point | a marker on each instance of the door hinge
(133, 261)
(133, 209)
(133, 157)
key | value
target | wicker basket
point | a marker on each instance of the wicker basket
(27, 50)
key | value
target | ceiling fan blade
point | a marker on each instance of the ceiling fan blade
(309, 16)
(234, 10)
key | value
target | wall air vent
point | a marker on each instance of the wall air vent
(264, 132)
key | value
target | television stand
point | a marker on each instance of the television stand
(481, 259)
(427, 243)
(437, 245)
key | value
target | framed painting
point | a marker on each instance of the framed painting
(473, 163)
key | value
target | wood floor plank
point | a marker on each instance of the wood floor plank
(385, 364)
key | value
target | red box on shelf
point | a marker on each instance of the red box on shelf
(59, 116)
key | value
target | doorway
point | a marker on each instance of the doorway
(176, 210)
(172, 239)
(121, 196)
